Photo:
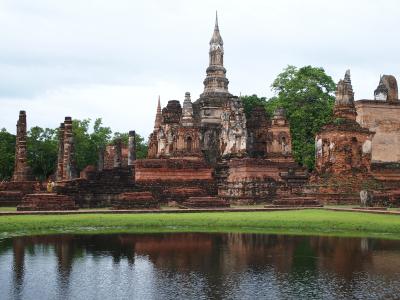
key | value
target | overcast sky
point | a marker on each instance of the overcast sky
(111, 59)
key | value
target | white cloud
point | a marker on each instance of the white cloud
(112, 59)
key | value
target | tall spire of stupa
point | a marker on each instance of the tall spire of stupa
(344, 102)
(216, 81)
(158, 120)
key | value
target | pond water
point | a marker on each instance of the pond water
(198, 266)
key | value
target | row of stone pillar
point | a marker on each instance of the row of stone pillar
(66, 163)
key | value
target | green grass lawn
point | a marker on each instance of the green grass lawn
(301, 222)
(12, 208)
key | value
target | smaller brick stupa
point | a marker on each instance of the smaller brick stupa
(343, 153)
(344, 146)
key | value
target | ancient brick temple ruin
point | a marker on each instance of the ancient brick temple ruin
(209, 147)
(206, 153)
(197, 151)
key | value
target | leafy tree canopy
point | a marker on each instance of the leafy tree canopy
(7, 154)
(42, 145)
(249, 102)
(307, 96)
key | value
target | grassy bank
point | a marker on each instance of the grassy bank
(303, 222)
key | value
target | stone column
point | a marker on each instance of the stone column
(100, 162)
(22, 171)
(117, 153)
(60, 156)
(69, 167)
(132, 148)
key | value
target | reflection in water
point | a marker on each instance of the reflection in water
(235, 266)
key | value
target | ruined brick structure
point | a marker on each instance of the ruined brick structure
(279, 141)
(244, 157)
(344, 146)
(22, 171)
(206, 153)
(131, 148)
(382, 116)
(257, 132)
(135, 200)
(204, 202)
(212, 126)
(22, 182)
(109, 154)
(98, 188)
(175, 179)
(66, 163)
(46, 202)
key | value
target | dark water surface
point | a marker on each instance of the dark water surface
(198, 266)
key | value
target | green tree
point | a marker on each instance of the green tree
(249, 102)
(42, 148)
(141, 147)
(307, 96)
(88, 145)
(7, 154)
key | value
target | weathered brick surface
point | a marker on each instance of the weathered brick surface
(172, 170)
(10, 198)
(11, 193)
(389, 198)
(383, 118)
(255, 180)
(46, 202)
(99, 188)
(22, 171)
(135, 200)
(205, 202)
(175, 179)
(297, 201)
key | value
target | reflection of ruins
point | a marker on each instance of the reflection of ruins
(215, 258)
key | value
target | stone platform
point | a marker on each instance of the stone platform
(135, 200)
(10, 198)
(296, 201)
(389, 198)
(98, 188)
(204, 202)
(12, 192)
(46, 202)
(175, 179)
(181, 194)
